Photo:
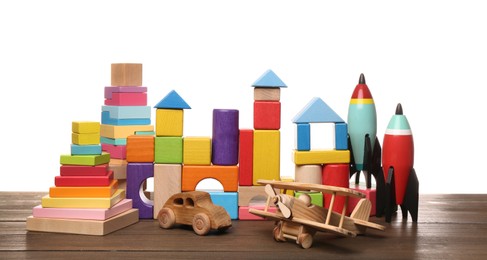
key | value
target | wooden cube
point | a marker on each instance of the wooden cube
(169, 122)
(267, 115)
(140, 148)
(197, 150)
(168, 149)
(127, 74)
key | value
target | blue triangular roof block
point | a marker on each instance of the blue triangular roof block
(172, 100)
(269, 80)
(317, 111)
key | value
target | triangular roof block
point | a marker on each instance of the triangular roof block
(269, 80)
(317, 111)
(172, 100)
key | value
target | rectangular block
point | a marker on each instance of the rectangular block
(227, 200)
(85, 159)
(168, 150)
(127, 112)
(83, 227)
(243, 212)
(76, 213)
(118, 141)
(122, 131)
(167, 182)
(252, 194)
(85, 127)
(303, 137)
(140, 148)
(226, 175)
(115, 151)
(81, 181)
(341, 136)
(197, 150)
(85, 139)
(246, 157)
(267, 153)
(169, 122)
(267, 115)
(119, 168)
(145, 133)
(84, 192)
(321, 157)
(109, 90)
(267, 94)
(127, 99)
(107, 120)
(95, 203)
(126, 74)
(81, 170)
(85, 149)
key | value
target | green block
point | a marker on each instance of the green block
(168, 149)
(90, 160)
(316, 197)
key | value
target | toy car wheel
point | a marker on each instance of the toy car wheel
(278, 234)
(166, 218)
(201, 224)
(305, 240)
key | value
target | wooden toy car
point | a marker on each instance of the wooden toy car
(194, 208)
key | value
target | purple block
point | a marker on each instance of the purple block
(137, 173)
(110, 90)
(225, 137)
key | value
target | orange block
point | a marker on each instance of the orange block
(226, 175)
(84, 192)
(140, 148)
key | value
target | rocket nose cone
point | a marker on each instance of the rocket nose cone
(399, 109)
(361, 80)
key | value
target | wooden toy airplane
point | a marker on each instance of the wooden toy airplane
(299, 220)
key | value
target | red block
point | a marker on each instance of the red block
(246, 157)
(370, 194)
(336, 175)
(115, 151)
(127, 99)
(267, 115)
(83, 181)
(82, 170)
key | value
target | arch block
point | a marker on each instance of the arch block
(226, 175)
(137, 173)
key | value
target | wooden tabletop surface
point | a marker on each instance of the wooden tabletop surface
(449, 226)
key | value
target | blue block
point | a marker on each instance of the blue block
(228, 200)
(303, 137)
(341, 139)
(107, 120)
(173, 101)
(269, 80)
(127, 112)
(116, 141)
(85, 149)
(145, 133)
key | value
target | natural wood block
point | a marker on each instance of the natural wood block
(84, 191)
(226, 175)
(122, 131)
(119, 168)
(167, 182)
(140, 148)
(197, 150)
(84, 181)
(127, 99)
(81, 170)
(168, 150)
(267, 153)
(85, 139)
(96, 203)
(126, 74)
(267, 115)
(115, 151)
(321, 157)
(85, 127)
(248, 194)
(169, 122)
(75, 213)
(308, 173)
(267, 94)
(246, 157)
(83, 227)
(85, 159)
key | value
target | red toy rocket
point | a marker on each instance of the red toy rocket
(397, 164)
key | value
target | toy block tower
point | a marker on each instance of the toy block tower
(317, 162)
(86, 198)
(168, 148)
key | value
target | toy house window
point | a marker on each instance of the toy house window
(178, 202)
(189, 203)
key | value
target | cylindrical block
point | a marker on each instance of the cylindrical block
(336, 175)
(308, 173)
(225, 137)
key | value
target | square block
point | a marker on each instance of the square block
(197, 150)
(267, 115)
(228, 200)
(126, 74)
(85, 127)
(267, 155)
(267, 94)
(370, 194)
(169, 122)
(119, 169)
(316, 197)
(168, 150)
(302, 142)
(85, 149)
(127, 99)
(85, 139)
(140, 148)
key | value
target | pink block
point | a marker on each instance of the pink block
(127, 99)
(115, 151)
(243, 212)
(77, 213)
(110, 90)
(370, 194)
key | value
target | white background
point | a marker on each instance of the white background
(431, 56)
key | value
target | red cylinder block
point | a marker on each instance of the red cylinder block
(336, 175)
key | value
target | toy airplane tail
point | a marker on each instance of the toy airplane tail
(362, 210)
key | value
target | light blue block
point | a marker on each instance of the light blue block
(341, 139)
(117, 141)
(128, 112)
(145, 133)
(303, 137)
(85, 149)
(269, 80)
(173, 101)
(107, 120)
(228, 200)
(317, 111)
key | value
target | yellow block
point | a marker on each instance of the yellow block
(85, 127)
(169, 122)
(288, 192)
(82, 139)
(197, 150)
(122, 131)
(95, 203)
(267, 155)
(321, 157)
(84, 192)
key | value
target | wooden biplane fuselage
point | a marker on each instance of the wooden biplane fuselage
(301, 219)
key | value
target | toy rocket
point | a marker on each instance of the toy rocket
(365, 150)
(397, 163)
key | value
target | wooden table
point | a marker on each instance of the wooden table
(449, 227)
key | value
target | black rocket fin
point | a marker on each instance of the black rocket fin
(411, 198)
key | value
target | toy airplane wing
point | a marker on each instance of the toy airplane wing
(313, 187)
